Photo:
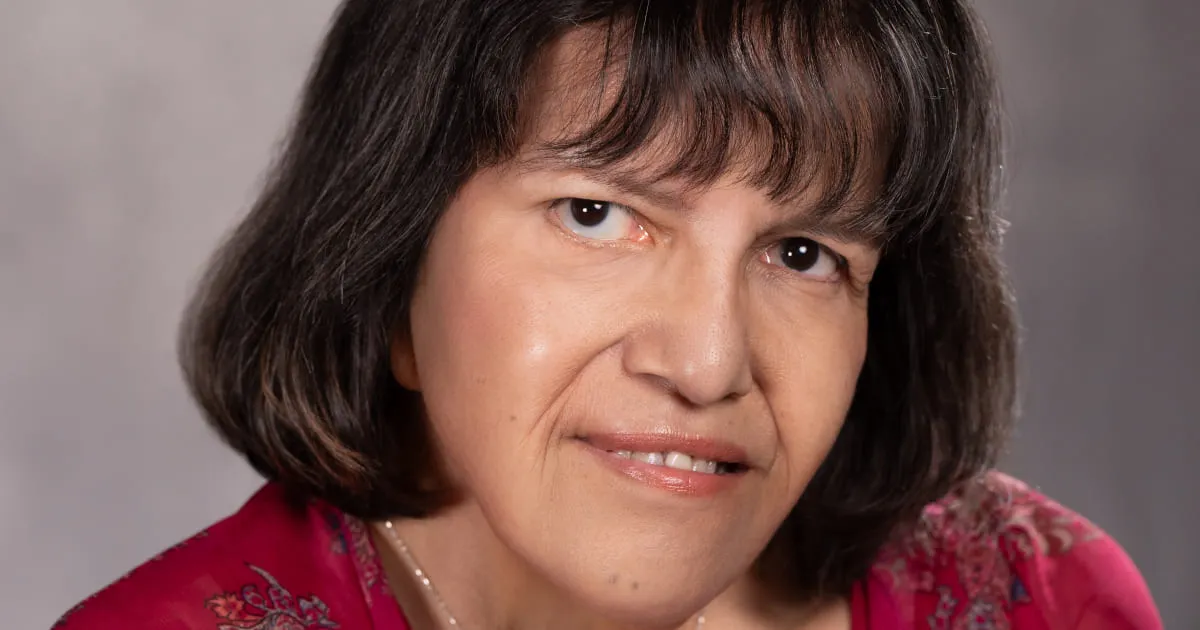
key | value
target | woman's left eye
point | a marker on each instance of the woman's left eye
(598, 220)
(806, 256)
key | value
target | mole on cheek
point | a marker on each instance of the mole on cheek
(612, 579)
(633, 586)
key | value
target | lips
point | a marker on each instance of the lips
(686, 465)
(694, 447)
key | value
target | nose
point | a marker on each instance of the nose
(693, 338)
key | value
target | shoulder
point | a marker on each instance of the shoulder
(271, 564)
(1003, 555)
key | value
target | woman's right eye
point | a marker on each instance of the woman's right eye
(598, 220)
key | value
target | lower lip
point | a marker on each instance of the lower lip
(682, 482)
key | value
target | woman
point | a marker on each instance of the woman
(555, 314)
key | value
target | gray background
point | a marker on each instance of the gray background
(134, 132)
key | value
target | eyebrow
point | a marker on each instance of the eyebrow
(840, 224)
(619, 179)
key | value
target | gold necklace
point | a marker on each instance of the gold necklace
(427, 584)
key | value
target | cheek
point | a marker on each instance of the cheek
(470, 336)
(496, 339)
(815, 384)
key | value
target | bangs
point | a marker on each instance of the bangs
(850, 105)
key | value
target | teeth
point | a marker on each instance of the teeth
(678, 461)
(649, 458)
(673, 459)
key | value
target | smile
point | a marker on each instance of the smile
(679, 461)
(689, 466)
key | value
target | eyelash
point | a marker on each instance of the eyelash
(841, 263)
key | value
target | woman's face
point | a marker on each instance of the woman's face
(633, 381)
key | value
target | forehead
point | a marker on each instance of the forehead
(576, 79)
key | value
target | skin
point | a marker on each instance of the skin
(677, 314)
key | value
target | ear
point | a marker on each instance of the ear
(403, 360)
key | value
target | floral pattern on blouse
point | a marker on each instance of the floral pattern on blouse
(963, 551)
(276, 609)
(997, 556)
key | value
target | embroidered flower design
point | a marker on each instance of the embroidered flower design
(364, 553)
(982, 616)
(944, 613)
(961, 553)
(277, 609)
(979, 570)
(227, 606)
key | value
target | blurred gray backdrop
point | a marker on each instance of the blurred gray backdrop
(134, 132)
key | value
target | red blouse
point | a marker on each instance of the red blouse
(1010, 559)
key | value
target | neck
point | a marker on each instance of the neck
(484, 584)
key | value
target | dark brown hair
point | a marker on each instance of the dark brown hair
(286, 344)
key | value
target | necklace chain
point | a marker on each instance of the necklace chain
(427, 584)
(422, 577)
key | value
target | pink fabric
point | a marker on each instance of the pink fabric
(270, 566)
(1008, 559)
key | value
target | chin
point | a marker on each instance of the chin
(661, 588)
(656, 604)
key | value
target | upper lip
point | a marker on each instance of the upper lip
(711, 449)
